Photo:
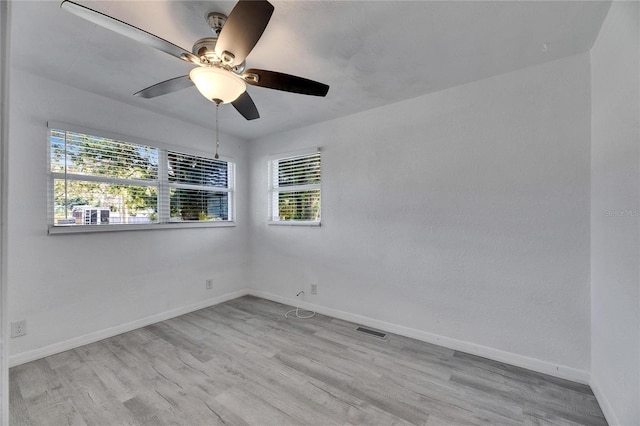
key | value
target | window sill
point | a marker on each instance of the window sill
(83, 229)
(294, 222)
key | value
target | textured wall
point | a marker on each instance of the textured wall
(4, 145)
(67, 286)
(463, 213)
(615, 221)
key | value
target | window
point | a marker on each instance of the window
(198, 187)
(101, 181)
(294, 189)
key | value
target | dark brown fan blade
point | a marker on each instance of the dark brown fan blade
(245, 106)
(243, 29)
(285, 82)
(130, 31)
(165, 87)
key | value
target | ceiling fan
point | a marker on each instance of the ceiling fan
(220, 73)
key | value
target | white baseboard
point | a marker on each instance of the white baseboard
(605, 405)
(534, 364)
(529, 363)
(66, 345)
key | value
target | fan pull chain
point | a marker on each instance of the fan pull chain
(217, 133)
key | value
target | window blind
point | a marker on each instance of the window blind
(101, 181)
(295, 187)
(199, 187)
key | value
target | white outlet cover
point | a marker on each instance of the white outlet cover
(18, 328)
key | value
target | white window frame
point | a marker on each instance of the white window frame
(274, 190)
(162, 184)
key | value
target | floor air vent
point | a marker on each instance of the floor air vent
(370, 332)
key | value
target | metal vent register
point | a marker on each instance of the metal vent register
(370, 332)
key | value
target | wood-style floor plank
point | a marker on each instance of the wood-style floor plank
(243, 363)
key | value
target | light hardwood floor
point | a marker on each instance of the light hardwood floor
(241, 363)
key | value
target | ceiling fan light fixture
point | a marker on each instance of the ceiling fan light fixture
(220, 73)
(217, 84)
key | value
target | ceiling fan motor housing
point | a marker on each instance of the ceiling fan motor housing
(205, 50)
(205, 47)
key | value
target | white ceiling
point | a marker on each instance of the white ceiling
(371, 53)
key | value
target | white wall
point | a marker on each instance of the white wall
(68, 286)
(4, 144)
(462, 214)
(615, 225)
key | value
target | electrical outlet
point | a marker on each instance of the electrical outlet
(209, 284)
(18, 328)
(314, 288)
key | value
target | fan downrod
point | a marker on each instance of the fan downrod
(216, 21)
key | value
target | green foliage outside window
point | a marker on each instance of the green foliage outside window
(81, 155)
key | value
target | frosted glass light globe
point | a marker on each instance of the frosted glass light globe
(217, 84)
